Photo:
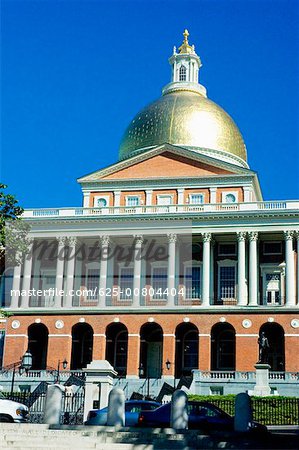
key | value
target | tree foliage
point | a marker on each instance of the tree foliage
(14, 239)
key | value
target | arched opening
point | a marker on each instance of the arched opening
(38, 345)
(186, 349)
(82, 345)
(276, 354)
(223, 347)
(182, 73)
(151, 349)
(117, 347)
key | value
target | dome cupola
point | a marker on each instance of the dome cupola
(185, 117)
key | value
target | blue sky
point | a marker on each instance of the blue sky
(74, 73)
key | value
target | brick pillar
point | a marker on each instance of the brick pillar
(59, 348)
(204, 354)
(99, 347)
(246, 352)
(168, 354)
(14, 349)
(133, 355)
(291, 353)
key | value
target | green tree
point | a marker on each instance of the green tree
(14, 239)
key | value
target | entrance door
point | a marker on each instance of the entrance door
(154, 359)
(273, 288)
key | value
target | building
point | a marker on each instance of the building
(182, 186)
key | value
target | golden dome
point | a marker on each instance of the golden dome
(186, 119)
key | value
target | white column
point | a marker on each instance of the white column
(290, 269)
(16, 284)
(104, 239)
(137, 270)
(27, 276)
(213, 195)
(242, 295)
(148, 197)
(172, 238)
(180, 196)
(212, 299)
(206, 269)
(297, 235)
(86, 199)
(253, 269)
(59, 270)
(117, 198)
(70, 270)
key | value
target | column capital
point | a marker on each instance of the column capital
(72, 241)
(207, 237)
(253, 235)
(172, 237)
(61, 240)
(241, 236)
(138, 238)
(288, 235)
(104, 239)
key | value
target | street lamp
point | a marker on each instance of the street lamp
(168, 364)
(64, 365)
(141, 373)
(24, 364)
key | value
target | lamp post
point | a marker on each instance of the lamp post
(168, 364)
(24, 364)
(141, 373)
(64, 365)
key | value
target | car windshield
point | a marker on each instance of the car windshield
(200, 409)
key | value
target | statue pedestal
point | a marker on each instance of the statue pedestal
(262, 387)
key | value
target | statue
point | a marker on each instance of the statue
(263, 348)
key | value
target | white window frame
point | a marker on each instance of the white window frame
(225, 193)
(154, 265)
(273, 269)
(91, 266)
(165, 196)
(228, 254)
(128, 197)
(198, 194)
(99, 197)
(226, 263)
(121, 266)
(188, 264)
(272, 253)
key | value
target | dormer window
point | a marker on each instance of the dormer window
(183, 73)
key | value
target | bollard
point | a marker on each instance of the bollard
(243, 412)
(53, 406)
(179, 411)
(116, 408)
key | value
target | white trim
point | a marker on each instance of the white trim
(168, 335)
(246, 335)
(204, 335)
(133, 335)
(99, 197)
(226, 193)
(291, 335)
(99, 335)
(59, 335)
(16, 335)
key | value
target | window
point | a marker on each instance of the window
(159, 282)
(182, 73)
(216, 390)
(272, 248)
(126, 281)
(92, 283)
(164, 199)
(132, 200)
(102, 202)
(230, 198)
(227, 282)
(227, 249)
(192, 282)
(196, 199)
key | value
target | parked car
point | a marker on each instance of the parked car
(132, 410)
(11, 411)
(202, 415)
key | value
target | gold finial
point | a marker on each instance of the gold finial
(185, 47)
